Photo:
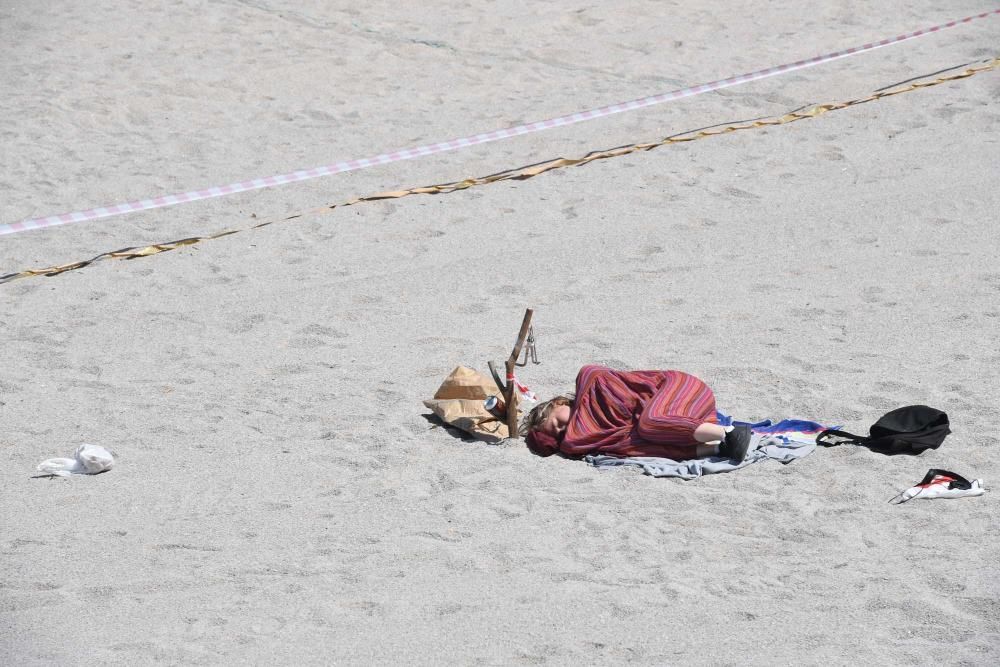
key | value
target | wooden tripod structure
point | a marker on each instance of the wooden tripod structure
(509, 388)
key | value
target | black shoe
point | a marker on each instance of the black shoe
(736, 444)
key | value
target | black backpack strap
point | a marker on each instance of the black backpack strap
(956, 480)
(832, 438)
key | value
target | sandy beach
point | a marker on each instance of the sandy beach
(280, 495)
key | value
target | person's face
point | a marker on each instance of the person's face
(555, 423)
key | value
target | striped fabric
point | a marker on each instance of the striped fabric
(637, 413)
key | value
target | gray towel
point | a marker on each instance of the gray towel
(784, 448)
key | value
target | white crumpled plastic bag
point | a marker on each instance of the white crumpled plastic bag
(88, 460)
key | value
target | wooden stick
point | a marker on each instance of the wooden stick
(511, 398)
(512, 395)
(501, 385)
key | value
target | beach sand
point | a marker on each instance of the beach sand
(280, 496)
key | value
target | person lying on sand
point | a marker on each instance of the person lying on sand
(667, 414)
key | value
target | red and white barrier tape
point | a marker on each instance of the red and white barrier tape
(526, 394)
(454, 144)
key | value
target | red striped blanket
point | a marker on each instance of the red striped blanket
(636, 413)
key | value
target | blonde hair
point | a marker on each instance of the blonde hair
(541, 412)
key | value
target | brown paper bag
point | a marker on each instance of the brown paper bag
(459, 402)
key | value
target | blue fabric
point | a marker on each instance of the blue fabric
(767, 426)
(788, 440)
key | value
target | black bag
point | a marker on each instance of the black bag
(908, 430)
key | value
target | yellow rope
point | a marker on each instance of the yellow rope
(517, 174)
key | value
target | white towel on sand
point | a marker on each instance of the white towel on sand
(88, 460)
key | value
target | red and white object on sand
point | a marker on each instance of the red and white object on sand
(941, 484)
